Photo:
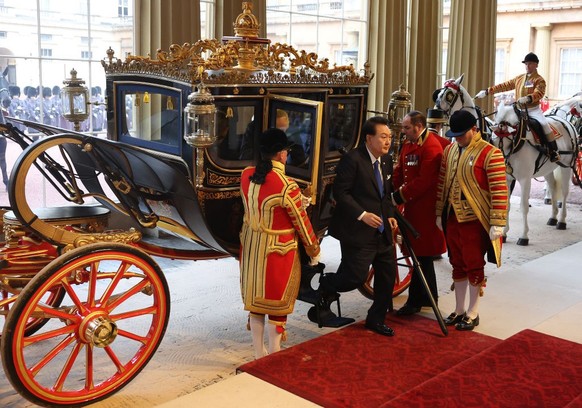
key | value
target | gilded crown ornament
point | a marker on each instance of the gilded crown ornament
(246, 24)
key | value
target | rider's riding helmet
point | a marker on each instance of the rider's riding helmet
(461, 122)
(531, 57)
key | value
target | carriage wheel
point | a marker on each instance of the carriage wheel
(52, 298)
(109, 324)
(403, 275)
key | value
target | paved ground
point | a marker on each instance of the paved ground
(207, 339)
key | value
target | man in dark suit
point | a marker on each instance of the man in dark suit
(363, 221)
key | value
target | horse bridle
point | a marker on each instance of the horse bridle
(452, 92)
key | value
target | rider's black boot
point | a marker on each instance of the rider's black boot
(553, 152)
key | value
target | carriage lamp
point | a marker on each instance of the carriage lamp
(199, 118)
(74, 99)
(399, 105)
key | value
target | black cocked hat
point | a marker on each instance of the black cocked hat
(273, 140)
(436, 116)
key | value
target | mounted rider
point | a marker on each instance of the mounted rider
(529, 88)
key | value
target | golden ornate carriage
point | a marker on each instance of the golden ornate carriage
(86, 307)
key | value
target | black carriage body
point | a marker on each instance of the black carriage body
(325, 112)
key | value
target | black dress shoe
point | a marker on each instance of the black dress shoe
(380, 328)
(467, 323)
(454, 319)
(407, 310)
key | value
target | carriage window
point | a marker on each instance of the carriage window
(238, 124)
(301, 120)
(344, 119)
(297, 127)
(150, 117)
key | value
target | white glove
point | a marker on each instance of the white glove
(481, 94)
(495, 232)
(314, 261)
(439, 223)
(305, 201)
(524, 100)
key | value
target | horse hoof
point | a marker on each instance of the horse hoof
(548, 201)
(523, 241)
(561, 226)
(552, 221)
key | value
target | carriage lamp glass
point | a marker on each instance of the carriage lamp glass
(199, 118)
(74, 99)
(399, 105)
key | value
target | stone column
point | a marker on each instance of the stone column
(386, 50)
(542, 48)
(472, 43)
(424, 52)
(160, 24)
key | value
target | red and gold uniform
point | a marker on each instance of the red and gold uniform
(269, 260)
(415, 180)
(472, 196)
(532, 85)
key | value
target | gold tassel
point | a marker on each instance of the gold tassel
(170, 103)
(146, 97)
(137, 99)
(483, 285)
(229, 112)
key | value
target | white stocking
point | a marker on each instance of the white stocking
(473, 311)
(274, 338)
(460, 294)
(257, 323)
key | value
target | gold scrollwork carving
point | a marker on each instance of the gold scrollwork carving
(221, 180)
(126, 237)
(218, 195)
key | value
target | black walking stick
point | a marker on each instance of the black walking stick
(406, 227)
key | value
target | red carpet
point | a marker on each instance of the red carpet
(529, 369)
(354, 367)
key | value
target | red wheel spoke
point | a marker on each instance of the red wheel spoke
(132, 336)
(51, 354)
(49, 335)
(113, 357)
(135, 313)
(67, 367)
(139, 286)
(71, 292)
(113, 284)
(6, 301)
(89, 368)
(92, 284)
(48, 312)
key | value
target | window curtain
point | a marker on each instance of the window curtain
(425, 46)
(386, 50)
(161, 23)
(472, 45)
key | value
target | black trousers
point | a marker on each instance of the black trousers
(353, 271)
(417, 295)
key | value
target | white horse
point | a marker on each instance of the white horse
(571, 110)
(453, 97)
(525, 158)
